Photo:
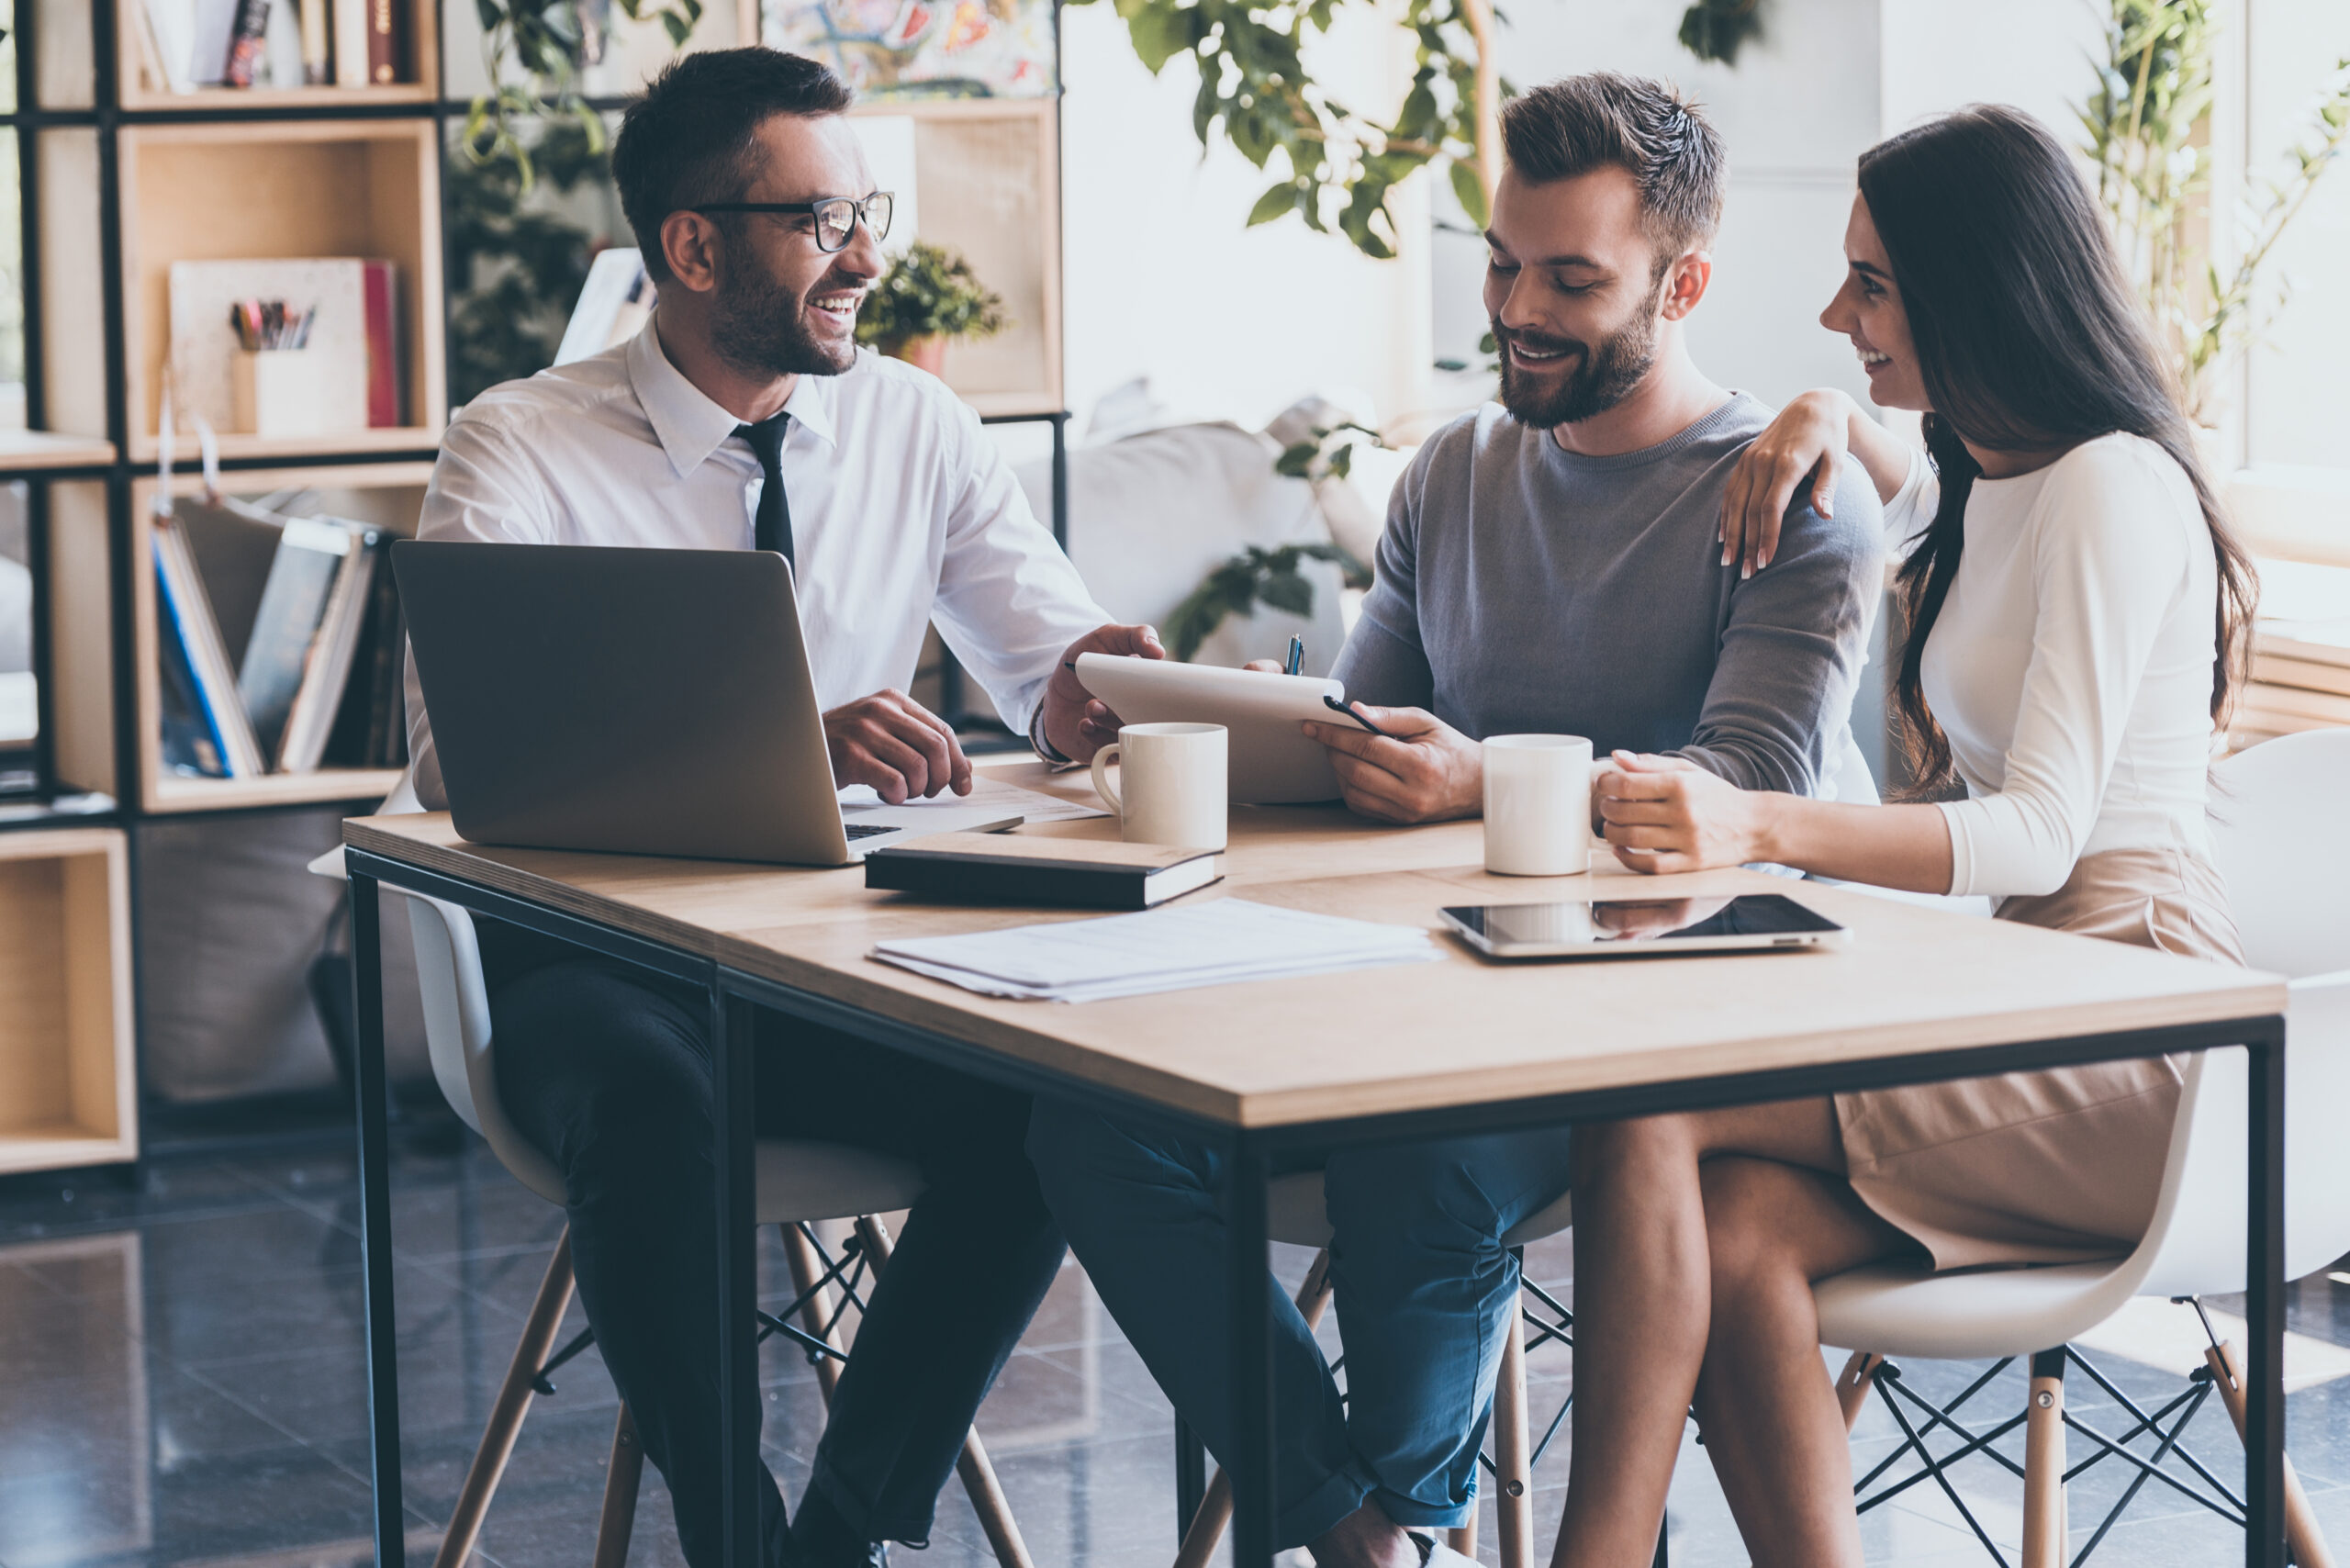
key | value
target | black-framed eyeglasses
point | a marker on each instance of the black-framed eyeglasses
(836, 217)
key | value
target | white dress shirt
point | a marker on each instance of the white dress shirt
(901, 511)
(2071, 664)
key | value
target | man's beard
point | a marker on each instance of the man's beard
(761, 329)
(1602, 377)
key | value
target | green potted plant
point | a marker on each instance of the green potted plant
(928, 297)
(2148, 125)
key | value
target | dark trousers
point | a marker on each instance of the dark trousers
(608, 1070)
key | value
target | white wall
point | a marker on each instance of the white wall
(2035, 54)
(1163, 279)
(1794, 112)
(2292, 393)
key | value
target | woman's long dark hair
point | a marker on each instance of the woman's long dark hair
(2028, 337)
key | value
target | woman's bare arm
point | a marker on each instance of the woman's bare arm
(1804, 450)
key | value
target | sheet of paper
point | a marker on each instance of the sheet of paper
(1032, 805)
(1162, 949)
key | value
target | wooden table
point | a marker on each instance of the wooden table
(1281, 1072)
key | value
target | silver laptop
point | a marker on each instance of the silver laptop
(644, 702)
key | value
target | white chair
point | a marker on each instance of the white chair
(799, 1181)
(2283, 843)
(1296, 1216)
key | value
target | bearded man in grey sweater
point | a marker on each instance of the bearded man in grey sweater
(1550, 565)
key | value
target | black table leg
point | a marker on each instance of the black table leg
(2263, 1426)
(1191, 1477)
(375, 1222)
(1252, 1355)
(738, 1368)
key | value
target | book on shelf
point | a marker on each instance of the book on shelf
(326, 668)
(370, 42)
(379, 293)
(353, 330)
(371, 727)
(265, 615)
(190, 638)
(247, 43)
(384, 51)
(184, 45)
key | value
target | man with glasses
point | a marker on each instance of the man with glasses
(744, 416)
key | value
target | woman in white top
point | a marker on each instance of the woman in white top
(2074, 605)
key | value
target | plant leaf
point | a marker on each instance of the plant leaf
(1470, 193)
(1288, 591)
(1280, 199)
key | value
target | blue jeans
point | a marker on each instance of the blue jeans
(1424, 1289)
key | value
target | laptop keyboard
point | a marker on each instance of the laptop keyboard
(864, 830)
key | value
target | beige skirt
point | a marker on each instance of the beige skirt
(2052, 1167)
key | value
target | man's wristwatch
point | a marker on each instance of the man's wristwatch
(1045, 748)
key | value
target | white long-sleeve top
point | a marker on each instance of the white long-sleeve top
(903, 512)
(2071, 664)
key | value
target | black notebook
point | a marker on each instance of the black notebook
(989, 868)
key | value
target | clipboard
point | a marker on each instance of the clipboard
(1271, 761)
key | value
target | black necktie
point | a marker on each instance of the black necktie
(771, 528)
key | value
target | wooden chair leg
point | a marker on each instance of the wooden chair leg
(506, 1414)
(621, 1479)
(1215, 1507)
(816, 1312)
(979, 1481)
(1852, 1387)
(2304, 1541)
(1513, 1477)
(2043, 1464)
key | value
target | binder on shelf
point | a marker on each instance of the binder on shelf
(190, 633)
(263, 616)
(188, 746)
(327, 667)
(305, 573)
(371, 726)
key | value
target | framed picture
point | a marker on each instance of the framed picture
(940, 48)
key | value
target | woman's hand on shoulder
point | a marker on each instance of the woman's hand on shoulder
(1803, 451)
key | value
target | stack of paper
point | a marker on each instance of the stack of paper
(1159, 949)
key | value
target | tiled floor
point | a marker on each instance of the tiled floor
(181, 1381)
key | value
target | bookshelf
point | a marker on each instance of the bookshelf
(422, 45)
(119, 180)
(366, 187)
(67, 1081)
(389, 495)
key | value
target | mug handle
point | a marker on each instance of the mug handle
(1102, 760)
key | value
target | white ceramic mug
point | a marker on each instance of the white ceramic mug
(1172, 779)
(1538, 805)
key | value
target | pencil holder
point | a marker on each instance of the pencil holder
(281, 392)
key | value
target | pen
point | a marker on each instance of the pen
(1336, 706)
(1296, 655)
